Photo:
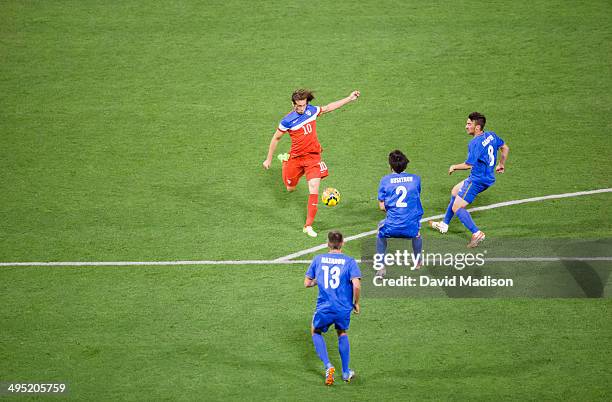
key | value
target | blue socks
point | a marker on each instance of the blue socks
(381, 245)
(449, 211)
(345, 352)
(417, 246)
(321, 349)
(343, 347)
(465, 218)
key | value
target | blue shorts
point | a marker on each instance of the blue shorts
(323, 319)
(408, 231)
(471, 189)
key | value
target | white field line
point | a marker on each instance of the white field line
(288, 259)
(146, 263)
(492, 206)
(259, 262)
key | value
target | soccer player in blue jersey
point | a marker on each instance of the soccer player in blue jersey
(339, 280)
(399, 194)
(481, 160)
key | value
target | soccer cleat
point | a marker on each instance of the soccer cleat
(309, 231)
(381, 272)
(329, 376)
(477, 238)
(439, 226)
(283, 157)
(348, 377)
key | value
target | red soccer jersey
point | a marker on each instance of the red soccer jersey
(303, 131)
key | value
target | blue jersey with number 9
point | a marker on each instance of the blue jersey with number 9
(482, 156)
(334, 273)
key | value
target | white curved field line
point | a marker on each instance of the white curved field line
(492, 206)
(288, 259)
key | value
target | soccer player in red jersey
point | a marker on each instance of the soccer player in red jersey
(305, 154)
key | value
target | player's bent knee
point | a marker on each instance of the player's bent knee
(291, 189)
(341, 332)
(459, 203)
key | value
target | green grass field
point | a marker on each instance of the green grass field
(135, 131)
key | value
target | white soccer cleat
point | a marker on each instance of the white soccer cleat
(309, 231)
(381, 272)
(477, 238)
(283, 157)
(348, 377)
(439, 226)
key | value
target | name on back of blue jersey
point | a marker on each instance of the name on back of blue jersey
(335, 261)
(403, 179)
(487, 140)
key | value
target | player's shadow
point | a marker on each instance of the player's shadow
(311, 361)
(587, 278)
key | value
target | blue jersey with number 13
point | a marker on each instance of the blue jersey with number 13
(334, 273)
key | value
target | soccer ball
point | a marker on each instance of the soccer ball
(330, 197)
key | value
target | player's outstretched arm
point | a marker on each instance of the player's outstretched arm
(460, 166)
(356, 293)
(341, 102)
(273, 143)
(501, 166)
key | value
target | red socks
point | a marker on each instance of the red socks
(313, 199)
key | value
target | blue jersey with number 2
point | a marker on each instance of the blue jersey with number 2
(482, 156)
(401, 193)
(334, 273)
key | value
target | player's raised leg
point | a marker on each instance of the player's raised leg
(292, 171)
(466, 219)
(442, 226)
(287, 173)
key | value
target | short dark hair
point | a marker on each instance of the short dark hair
(479, 119)
(335, 240)
(300, 94)
(398, 161)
